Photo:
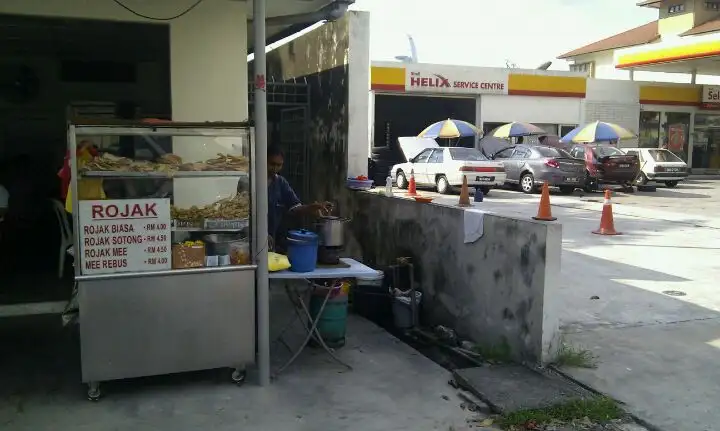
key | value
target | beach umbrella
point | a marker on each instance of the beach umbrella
(449, 129)
(515, 129)
(598, 131)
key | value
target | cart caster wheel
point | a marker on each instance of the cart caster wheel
(238, 377)
(94, 394)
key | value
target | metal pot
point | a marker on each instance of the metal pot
(331, 230)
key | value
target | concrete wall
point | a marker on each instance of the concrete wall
(208, 69)
(548, 110)
(334, 60)
(613, 101)
(497, 290)
(604, 65)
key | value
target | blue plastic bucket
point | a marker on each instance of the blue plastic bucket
(302, 250)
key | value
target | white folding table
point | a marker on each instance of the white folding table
(353, 270)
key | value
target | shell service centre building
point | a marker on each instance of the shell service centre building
(407, 97)
(684, 41)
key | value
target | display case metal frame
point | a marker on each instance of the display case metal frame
(135, 324)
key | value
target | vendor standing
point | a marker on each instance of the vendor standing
(282, 198)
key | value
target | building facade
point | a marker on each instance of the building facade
(682, 117)
(684, 40)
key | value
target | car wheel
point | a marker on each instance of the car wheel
(527, 183)
(485, 190)
(567, 190)
(671, 184)
(442, 184)
(402, 182)
(641, 179)
(590, 183)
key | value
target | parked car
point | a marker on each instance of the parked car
(445, 167)
(659, 165)
(529, 166)
(606, 164)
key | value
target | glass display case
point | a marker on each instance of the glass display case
(164, 247)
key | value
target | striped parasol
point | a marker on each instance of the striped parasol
(449, 129)
(515, 129)
(598, 131)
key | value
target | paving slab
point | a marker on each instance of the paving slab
(392, 387)
(509, 388)
(667, 374)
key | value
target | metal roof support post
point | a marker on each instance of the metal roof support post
(261, 187)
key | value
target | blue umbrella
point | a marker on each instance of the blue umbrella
(449, 129)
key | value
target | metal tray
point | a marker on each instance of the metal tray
(220, 224)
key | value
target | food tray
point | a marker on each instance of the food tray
(156, 174)
(224, 224)
(187, 224)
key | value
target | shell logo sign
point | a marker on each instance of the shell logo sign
(437, 79)
(492, 83)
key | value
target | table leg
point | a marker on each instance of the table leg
(316, 332)
(311, 329)
(293, 296)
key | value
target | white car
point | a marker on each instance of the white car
(445, 167)
(659, 165)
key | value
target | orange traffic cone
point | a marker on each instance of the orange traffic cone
(412, 190)
(607, 224)
(544, 212)
(464, 194)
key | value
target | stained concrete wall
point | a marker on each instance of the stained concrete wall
(496, 291)
(334, 61)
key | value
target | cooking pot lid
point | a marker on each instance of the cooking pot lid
(302, 234)
(329, 217)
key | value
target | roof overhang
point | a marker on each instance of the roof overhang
(287, 17)
(698, 54)
(650, 3)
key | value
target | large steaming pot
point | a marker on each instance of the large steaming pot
(331, 230)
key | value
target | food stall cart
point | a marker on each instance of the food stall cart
(166, 267)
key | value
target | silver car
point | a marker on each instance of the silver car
(530, 166)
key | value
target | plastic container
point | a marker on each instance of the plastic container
(371, 298)
(478, 195)
(240, 253)
(402, 310)
(332, 324)
(219, 244)
(359, 184)
(302, 248)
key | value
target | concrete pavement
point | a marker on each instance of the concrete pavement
(391, 387)
(657, 352)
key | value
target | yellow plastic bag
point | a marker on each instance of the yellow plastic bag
(277, 262)
(88, 190)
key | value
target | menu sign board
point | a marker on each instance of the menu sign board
(128, 235)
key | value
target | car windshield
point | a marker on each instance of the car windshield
(607, 150)
(552, 152)
(664, 156)
(467, 154)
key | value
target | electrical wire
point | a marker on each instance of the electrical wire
(186, 11)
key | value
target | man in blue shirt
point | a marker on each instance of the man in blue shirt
(281, 197)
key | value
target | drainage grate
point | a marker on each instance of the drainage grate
(674, 293)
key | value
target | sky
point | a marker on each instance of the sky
(487, 33)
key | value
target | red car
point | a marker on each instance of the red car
(606, 164)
